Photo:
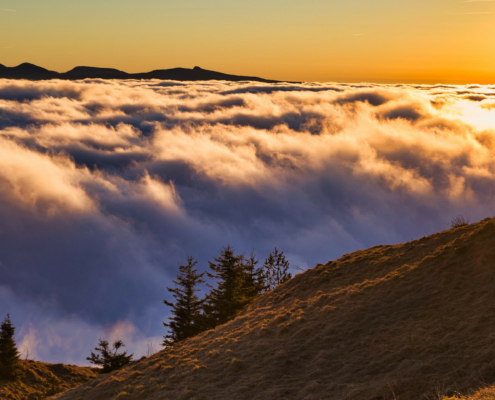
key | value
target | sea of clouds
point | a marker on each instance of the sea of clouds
(106, 186)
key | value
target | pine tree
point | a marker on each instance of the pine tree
(10, 365)
(228, 298)
(275, 270)
(253, 278)
(186, 320)
(110, 360)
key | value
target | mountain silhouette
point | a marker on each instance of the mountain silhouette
(93, 72)
(27, 71)
(33, 72)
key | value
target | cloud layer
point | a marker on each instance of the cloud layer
(105, 186)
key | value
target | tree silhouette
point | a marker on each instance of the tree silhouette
(228, 298)
(253, 281)
(10, 365)
(186, 320)
(110, 360)
(238, 282)
(275, 270)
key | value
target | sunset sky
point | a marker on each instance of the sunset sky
(106, 185)
(427, 41)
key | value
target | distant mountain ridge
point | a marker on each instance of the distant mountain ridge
(33, 72)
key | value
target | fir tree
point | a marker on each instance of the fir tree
(253, 282)
(186, 320)
(10, 365)
(275, 270)
(228, 298)
(109, 359)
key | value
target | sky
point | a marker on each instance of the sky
(390, 41)
(107, 186)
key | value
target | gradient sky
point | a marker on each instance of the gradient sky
(426, 41)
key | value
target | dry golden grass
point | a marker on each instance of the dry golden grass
(42, 379)
(411, 321)
(486, 393)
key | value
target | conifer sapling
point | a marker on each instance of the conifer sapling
(110, 360)
(10, 364)
(275, 270)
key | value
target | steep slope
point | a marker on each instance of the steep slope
(42, 379)
(405, 322)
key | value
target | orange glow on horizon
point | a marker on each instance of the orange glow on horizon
(386, 41)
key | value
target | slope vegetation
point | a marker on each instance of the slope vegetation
(42, 380)
(410, 321)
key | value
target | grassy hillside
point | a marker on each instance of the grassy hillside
(410, 321)
(42, 380)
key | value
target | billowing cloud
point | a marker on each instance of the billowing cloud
(105, 186)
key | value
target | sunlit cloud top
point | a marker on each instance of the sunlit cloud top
(106, 186)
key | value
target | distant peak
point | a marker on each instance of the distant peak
(81, 67)
(85, 72)
(198, 68)
(86, 68)
(30, 67)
